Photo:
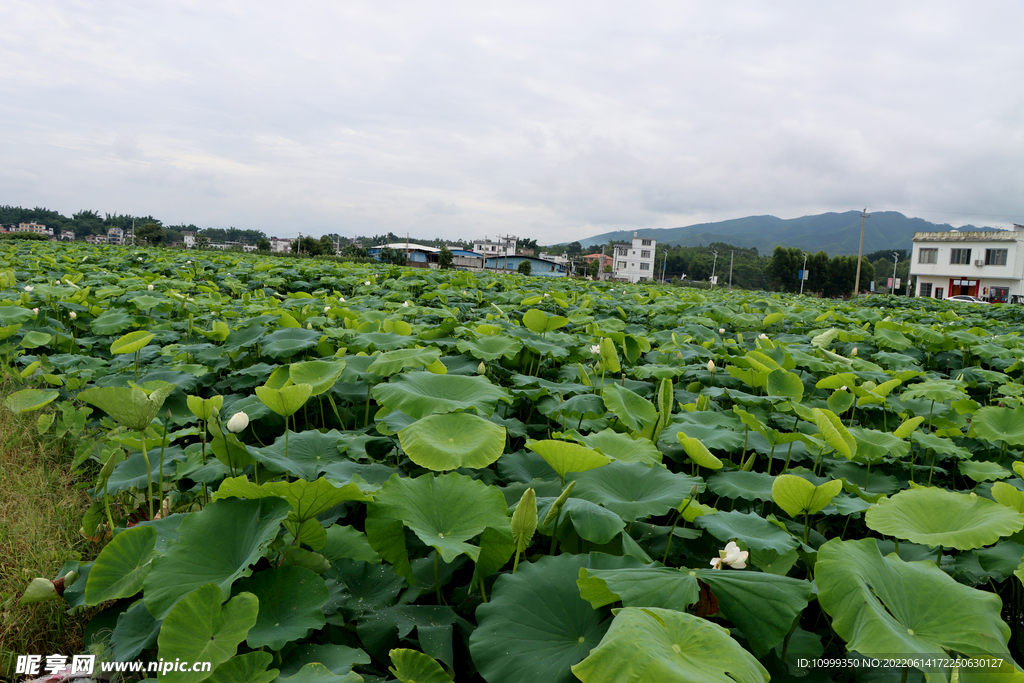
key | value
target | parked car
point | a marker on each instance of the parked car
(967, 298)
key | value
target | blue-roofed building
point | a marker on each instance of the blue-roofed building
(417, 255)
(538, 266)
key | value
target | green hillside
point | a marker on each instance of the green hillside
(835, 233)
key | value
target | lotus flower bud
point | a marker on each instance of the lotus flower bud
(481, 369)
(711, 366)
(140, 258)
(149, 287)
(36, 311)
(405, 304)
(29, 288)
(341, 298)
(309, 326)
(367, 283)
(762, 336)
(327, 309)
(721, 330)
(854, 352)
(73, 315)
(238, 422)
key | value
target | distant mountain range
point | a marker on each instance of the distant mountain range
(835, 233)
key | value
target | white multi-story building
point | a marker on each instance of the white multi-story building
(634, 262)
(115, 236)
(987, 264)
(189, 238)
(280, 245)
(505, 246)
(36, 228)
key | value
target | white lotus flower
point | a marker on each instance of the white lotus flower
(29, 288)
(57, 282)
(405, 304)
(188, 263)
(546, 294)
(149, 287)
(762, 336)
(721, 330)
(73, 315)
(842, 388)
(854, 352)
(596, 349)
(367, 283)
(341, 298)
(140, 258)
(36, 311)
(711, 366)
(238, 422)
(732, 556)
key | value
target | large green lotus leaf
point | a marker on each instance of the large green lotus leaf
(28, 400)
(290, 600)
(15, 314)
(762, 605)
(698, 452)
(315, 672)
(121, 567)
(411, 666)
(624, 447)
(135, 631)
(996, 424)
(581, 406)
(33, 339)
(634, 490)
(346, 542)
(592, 522)
(307, 498)
(381, 341)
(536, 625)
(216, 545)
(133, 407)
(717, 431)
(939, 390)
(745, 485)
(419, 394)
(199, 629)
(1008, 495)
(443, 511)
(288, 342)
(935, 516)
(797, 496)
(453, 440)
(244, 337)
(285, 401)
(636, 412)
(757, 533)
(784, 383)
(540, 322)
(308, 453)
(940, 445)
(874, 445)
(565, 457)
(203, 407)
(834, 433)
(657, 645)
(112, 322)
(319, 374)
(132, 342)
(248, 668)
(983, 470)
(338, 659)
(391, 362)
(888, 607)
(490, 348)
(433, 624)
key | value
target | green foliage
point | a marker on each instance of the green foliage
(524, 268)
(416, 441)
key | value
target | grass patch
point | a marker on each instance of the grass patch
(40, 514)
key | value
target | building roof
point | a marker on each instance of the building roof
(969, 236)
(411, 246)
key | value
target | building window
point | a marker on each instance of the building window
(926, 289)
(959, 256)
(622, 265)
(645, 243)
(645, 254)
(645, 266)
(995, 257)
(928, 256)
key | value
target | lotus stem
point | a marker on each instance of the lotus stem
(668, 544)
(149, 475)
(163, 443)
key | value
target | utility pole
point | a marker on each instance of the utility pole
(803, 274)
(713, 264)
(860, 251)
(663, 264)
(895, 255)
(731, 255)
(133, 232)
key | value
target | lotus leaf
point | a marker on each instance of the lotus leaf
(419, 394)
(199, 629)
(290, 602)
(634, 490)
(121, 567)
(27, 400)
(318, 374)
(453, 440)
(565, 457)
(797, 496)
(934, 516)
(443, 511)
(411, 666)
(654, 645)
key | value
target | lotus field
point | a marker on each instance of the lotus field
(313, 471)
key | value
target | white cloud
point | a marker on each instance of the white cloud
(461, 119)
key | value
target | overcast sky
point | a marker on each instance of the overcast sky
(551, 120)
